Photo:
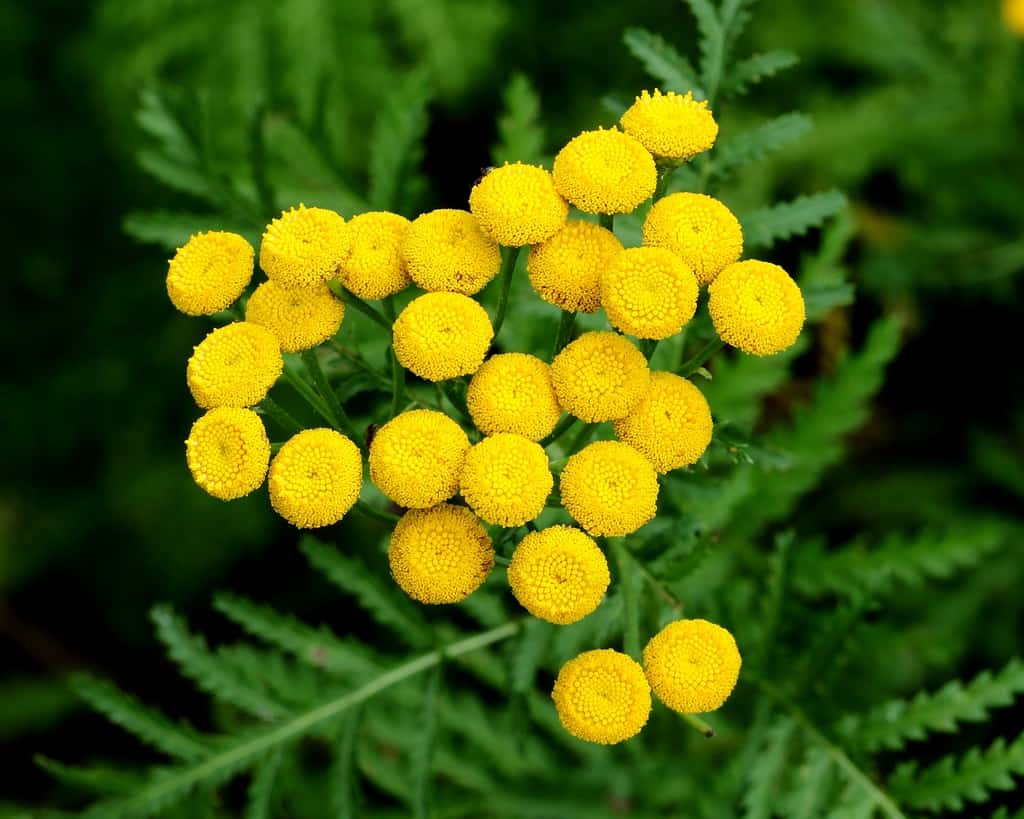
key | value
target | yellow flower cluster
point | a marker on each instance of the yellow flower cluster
(602, 696)
(605, 172)
(442, 335)
(209, 273)
(512, 392)
(299, 319)
(700, 230)
(372, 266)
(692, 665)
(228, 452)
(1013, 16)
(671, 126)
(448, 251)
(600, 376)
(303, 247)
(609, 488)
(518, 205)
(315, 478)
(234, 366)
(756, 307)
(506, 479)
(566, 269)
(649, 293)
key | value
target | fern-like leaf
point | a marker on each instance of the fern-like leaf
(711, 43)
(763, 228)
(423, 751)
(520, 131)
(261, 789)
(527, 654)
(750, 146)
(397, 137)
(758, 67)
(661, 60)
(171, 229)
(766, 771)
(99, 780)
(811, 786)
(344, 776)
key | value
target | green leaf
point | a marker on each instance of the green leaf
(661, 60)
(758, 67)
(171, 229)
(763, 228)
(32, 705)
(811, 786)
(770, 764)
(423, 751)
(92, 779)
(528, 653)
(750, 146)
(261, 788)
(344, 776)
(396, 145)
(520, 130)
(712, 44)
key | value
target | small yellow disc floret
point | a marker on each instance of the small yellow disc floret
(446, 250)
(300, 319)
(602, 696)
(1013, 16)
(671, 426)
(671, 126)
(610, 489)
(600, 376)
(303, 246)
(692, 665)
(699, 229)
(506, 479)
(605, 172)
(756, 307)
(512, 392)
(234, 366)
(416, 458)
(566, 269)
(442, 335)
(649, 293)
(440, 555)
(558, 574)
(228, 452)
(518, 205)
(209, 272)
(315, 478)
(372, 266)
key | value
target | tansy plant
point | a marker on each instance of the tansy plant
(535, 417)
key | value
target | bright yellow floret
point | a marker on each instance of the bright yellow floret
(609, 489)
(756, 307)
(303, 246)
(671, 426)
(300, 319)
(700, 230)
(671, 126)
(600, 376)
(228, 452)
(558, 574)
(649, 293)
(315, 478)
(518, 205)
(692, 665)
(440, 555)
(602, 696)
(446, 250)
(234, 366)
(1013, 16)
(605, 172)
(416, 458)
(506, 479)
(209, 273)
(566, 269)
(442, 335)
(512, 392)
(372, 266)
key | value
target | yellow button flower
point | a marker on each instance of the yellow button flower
(372, 266)
(506, 479)
(228, 452)
(671, 426)
(234, 366)
(209, 273)
(440, 555)
(303, 246)
(609, 488)
(602, 696)
(518, 205)
(671, 126)
(566, 269)
(1013, 16)
(442, 335)
(605, 172)
(558, 574)
(649, 293)
(756, 307)
(300, 319)
(600, 376)
(446, 250)
(315, 478)
(692, 665)
(700, 230)
(416, 458)
(512, 392)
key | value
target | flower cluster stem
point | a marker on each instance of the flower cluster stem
(354, 301)
(699, 725)
(648, 346)
(336, 414)
(564, 331)
(698, 359)
(510, 256)
(608, 221)
(364, 508)
(280, 415)
(560, 429)
(631, 619)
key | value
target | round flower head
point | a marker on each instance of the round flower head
(671, 126)
(558, 574)
(440, 555)
(228, 452)
(1013, 16)
(315, 478)
(234, 366)
(692, 665)
(609, 488)
(605, 172)
(518, 205)
(600, 376)
(372, 266)
(512, 392)
(303, 246)
(209, 273)
(756, 307)
(566, 269)
(506, 479)
(671, 426)
(299, 319)
(445, 250)
(602, 696)
(700, 230)
(649, 293)
(416, 458)
(442, 335)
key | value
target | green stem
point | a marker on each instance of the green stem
(307, 393)
(560, 429)
(397, 370)
(581, 437)
(340, 421)
(648, 346)
(608, 221)
(698, 359)
(502, 561)
(364, 508)
(447, 389)
(664, 174)
(508, 265)
(699, 725)
(631, 612)
(564, 331)
(280, 415)
(360, 305)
